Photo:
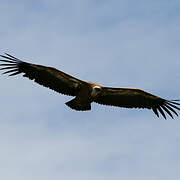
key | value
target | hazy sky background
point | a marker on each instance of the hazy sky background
(117, 43)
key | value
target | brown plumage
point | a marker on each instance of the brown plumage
(87, 92)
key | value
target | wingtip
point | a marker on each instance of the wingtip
(7, 54)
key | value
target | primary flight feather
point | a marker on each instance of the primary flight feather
(86, 92)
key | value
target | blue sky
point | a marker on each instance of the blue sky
(116, 43)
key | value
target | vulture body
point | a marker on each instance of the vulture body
(86, 92)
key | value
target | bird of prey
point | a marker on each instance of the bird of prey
(86, 92)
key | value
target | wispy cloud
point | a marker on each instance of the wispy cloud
(117, 43)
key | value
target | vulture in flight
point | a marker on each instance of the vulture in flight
(86, 92)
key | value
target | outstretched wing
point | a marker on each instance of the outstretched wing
(136, 98)
(47, 76)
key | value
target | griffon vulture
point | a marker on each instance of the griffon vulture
(86, 92)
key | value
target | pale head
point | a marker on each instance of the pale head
(95, 90)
